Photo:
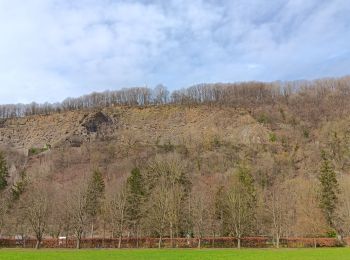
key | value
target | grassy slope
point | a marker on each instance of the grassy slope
(245, 254)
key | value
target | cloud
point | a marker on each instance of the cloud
(51, 49)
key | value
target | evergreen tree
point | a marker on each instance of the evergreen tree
(95, 192)
(247, 182)
(19, 187)
(135, 197)
(94, 196)
(220, 209)
(4, 174)
(329, 189)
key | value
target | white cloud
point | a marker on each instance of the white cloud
(51, 49)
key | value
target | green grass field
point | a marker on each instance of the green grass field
(150, 254)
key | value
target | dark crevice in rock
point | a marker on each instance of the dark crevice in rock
(94, 122)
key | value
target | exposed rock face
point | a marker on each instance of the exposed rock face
(38, 131)
(73, 128)
(129, 126)
(92, 126)
(95, 121)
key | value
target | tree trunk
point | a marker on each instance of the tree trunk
(171, 236)
(160, 242)
(66, 239)
(78, 243)
(37, 245)
(277, 241)
(315, 243)
(104, 234)
(120, 241)
(239, 242)
(92, 230)
(137, 237)
(213, 241)
(199, 243)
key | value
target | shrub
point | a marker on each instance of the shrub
(331, 233)
(216, 142)
(306, 133)
(263, 119)
(273, 137)
(35, 150)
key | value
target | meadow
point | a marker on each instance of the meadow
(244, 254)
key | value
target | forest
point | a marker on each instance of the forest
(289, 179)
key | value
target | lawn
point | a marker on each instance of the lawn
(150, 254)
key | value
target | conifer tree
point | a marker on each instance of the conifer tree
(95, 194)
(4, 174)
(329, 189)
(135, 198)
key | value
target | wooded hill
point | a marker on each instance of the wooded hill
(244, 159)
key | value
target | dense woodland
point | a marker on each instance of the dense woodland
(296, 184)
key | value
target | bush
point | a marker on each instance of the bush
(273, 137)
(152, 242)
(216, 142)
(35, 150)
(331, 233)
(263, 119)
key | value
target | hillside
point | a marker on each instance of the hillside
(150, 125)
(195, 153)
(216, 136)
(138, 132)
(132, 132)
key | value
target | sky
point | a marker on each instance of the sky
(53, 49)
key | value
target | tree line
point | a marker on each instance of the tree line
(162, 199)
(246, 94)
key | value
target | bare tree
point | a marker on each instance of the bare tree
(200, 212)
(38, 211)
(78, 208)
(241, 204)
(310, 220)
(174, 209)
(160, 95)
(279, 206)
(117, 199)
(60, 220)
(168, 185)
(157, 209)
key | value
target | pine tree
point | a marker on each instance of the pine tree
(95, 194)
(329, 189)
(95, 191)
(135, 187)
(4, 174)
